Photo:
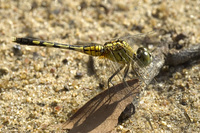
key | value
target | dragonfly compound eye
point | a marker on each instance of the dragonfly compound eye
(144, 56)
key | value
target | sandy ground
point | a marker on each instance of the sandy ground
(43, 86)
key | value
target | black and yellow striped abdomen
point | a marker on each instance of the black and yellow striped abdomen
(94, 50)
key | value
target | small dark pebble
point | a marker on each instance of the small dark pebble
(65, 88)
(179, 37)
(184, 102)
(181, 87)
(72, 24)
(165, 69)
(5, 122)
(56, 11)
(83, 5)
(57, 76)
(178, 46)
(35, 54)
(15, 68)
(65, 61)
(101, 85)
(31, 116)
(79, 75)
(176, 40)
(54, 104)
(52, 70)
(137, 28)
(64, 36)
(57, 108)
(129, 110)
(17, 50)
(171, 88)
(3, 71)
(34, 5)
(41, 104)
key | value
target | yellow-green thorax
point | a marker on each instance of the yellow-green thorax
(118, 51)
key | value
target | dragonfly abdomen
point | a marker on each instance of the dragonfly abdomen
(93, 50)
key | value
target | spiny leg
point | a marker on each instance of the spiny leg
(116, 70)
(126, 68)
(115, 73)
(125, 74)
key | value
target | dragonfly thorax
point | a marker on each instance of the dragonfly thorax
(118, 51)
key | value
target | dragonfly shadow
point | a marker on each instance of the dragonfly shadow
(101, 113)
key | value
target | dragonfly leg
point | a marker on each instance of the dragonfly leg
(116, 72)
(125, 74)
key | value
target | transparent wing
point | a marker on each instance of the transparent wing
(144, 40)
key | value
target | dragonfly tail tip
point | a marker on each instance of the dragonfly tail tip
(14, 39)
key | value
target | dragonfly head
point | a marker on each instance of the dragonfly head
(144, 57)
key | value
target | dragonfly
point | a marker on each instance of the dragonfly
(117, 50)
